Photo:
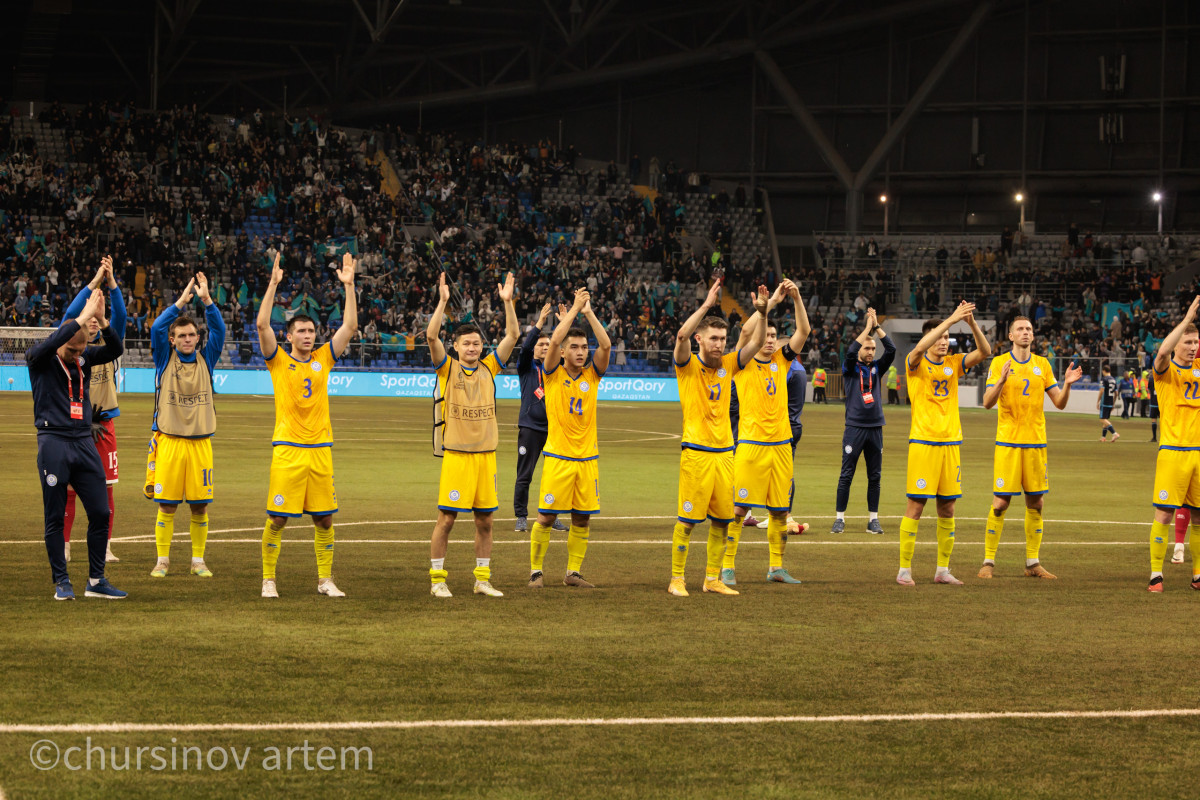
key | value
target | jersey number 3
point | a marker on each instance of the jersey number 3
(307, 387)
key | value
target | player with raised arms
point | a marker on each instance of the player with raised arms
(762, 462)
(706, 460)
(1017, 381)
(185, 419)
(302, 444)
(103, 392)
(571, 468)
(934, 461)
(465, 413)
(1177, 471)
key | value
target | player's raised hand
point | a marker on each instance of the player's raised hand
(761, 300)
(506, 289)
(1073, 374)
(202, 288)
(963, 311)
(276, 270)
(582, 297)
(443, 289)
(563, 311)
(99, 278)
(1005, 371)
(185, 296)
(778, 295)
(714, 294)
(543, 315)
(92, 309)
(1192, 309)
(346, 273)
(106, 265)
(793, 291)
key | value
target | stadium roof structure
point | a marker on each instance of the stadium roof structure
(360, 59)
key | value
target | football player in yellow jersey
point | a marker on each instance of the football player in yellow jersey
(934, 464)
(469, 436)
(762, 462)
(706, 461)
(1017, 381)
(570, 469)
(1177, 472)
(302, 456)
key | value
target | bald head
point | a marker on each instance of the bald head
(73, 349)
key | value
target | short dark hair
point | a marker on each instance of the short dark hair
(181, 321)
(298, 319)
(575, 333)
(930, 324)
(713, 322)
(1015, 320)
(771, 324)
(465, 329)
(1106, 368)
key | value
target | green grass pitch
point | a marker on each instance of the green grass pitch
(185, 650)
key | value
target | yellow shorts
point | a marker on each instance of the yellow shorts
(151, 463)
(469, 482)
(762, 476)
(301, 482)
(1177, 479)
(1020, 469)
(934, 470)
(569, 487)
(705, 486)
(183, 471)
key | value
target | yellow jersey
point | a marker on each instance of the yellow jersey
(763, 401)
(1178, 388)
(704, 396)
(302, 397)
(933, 389)
(1022, 417)
(571, 413)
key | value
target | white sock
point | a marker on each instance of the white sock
(841, 515)
(941, 571)
(196, 560)
(1029, 562)
(94, 581)
(483, 562)
(1154, 575)
(906, 572)
(874, 515)
(436, 563)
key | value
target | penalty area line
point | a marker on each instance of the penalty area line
(568, 722)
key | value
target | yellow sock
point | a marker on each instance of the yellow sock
(680, 539)
(908, 541)
(483, 571)
(323, 544)
(577, 539)
(164, 529)
(732, 537)
(776, 540)
(1033, 533)
(539, 543)
(991, 535)
(945, 537)
(270, 549)
(1159, 533)
(1195, 531)
(716, 549)
(199, 533)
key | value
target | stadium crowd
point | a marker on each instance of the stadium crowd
(224, 194)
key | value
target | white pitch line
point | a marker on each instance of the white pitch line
(963, 716)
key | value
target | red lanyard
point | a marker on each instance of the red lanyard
(70, 393)
(868, 395)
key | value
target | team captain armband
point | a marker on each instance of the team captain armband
(787, 351)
